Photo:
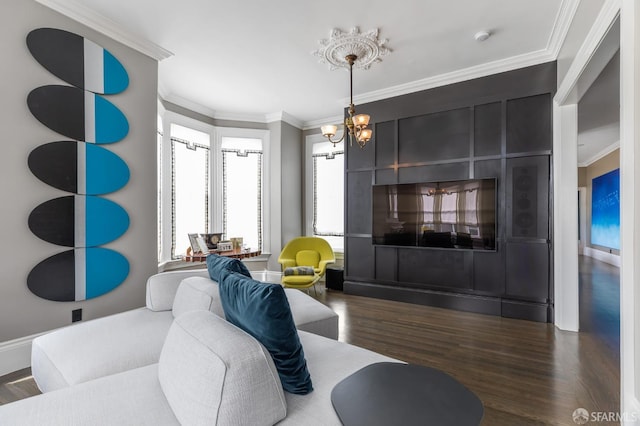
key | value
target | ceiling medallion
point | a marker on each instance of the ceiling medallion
(365, 46)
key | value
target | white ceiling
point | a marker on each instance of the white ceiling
(252, 59)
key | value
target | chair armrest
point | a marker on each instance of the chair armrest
(287, 263)
(162, 288)
(322, 266)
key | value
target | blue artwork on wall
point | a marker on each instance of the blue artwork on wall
(84, 220)
(80, 274)
(78, 167)
(79, 221)
(78, 114)
(78, 61)
(605, 210)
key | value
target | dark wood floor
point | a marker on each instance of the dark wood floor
(525, 373)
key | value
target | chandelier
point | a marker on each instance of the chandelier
(354, 125)
(366, 48)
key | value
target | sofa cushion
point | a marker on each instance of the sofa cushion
(100, 347)
(263, 311)
(216, 264)
(133, 397)
(329, 362)
(197, 293)
(162, 287)
(206, 382)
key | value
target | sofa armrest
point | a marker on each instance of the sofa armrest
(162, 288)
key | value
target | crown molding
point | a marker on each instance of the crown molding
(82, 14)
(286, 117)
(561, 26)
(314, 124)
(233, 116)
(190, 105)
(213, 114)
(607, 16)
(457, 76)
(601, 154)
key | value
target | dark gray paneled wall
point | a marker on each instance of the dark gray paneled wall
(497, 126)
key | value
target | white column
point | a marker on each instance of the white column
(629, 210)
(565, 216)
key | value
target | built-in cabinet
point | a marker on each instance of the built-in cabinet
(493, 127)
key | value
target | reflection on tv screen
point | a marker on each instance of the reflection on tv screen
(453, 214)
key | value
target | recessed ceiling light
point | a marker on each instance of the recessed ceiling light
(482, 35)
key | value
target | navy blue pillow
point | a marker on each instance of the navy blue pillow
(216, 264)
(263, 311)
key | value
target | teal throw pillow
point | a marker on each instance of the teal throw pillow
(216, 264)
(263, 311)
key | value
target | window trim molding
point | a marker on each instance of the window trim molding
(236, 132)
(309, 141)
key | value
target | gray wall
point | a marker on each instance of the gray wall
(21, 312)
(292, 182)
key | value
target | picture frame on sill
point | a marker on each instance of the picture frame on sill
(198, 244)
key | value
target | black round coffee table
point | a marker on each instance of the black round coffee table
(390, 393)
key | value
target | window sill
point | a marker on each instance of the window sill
(176, 265)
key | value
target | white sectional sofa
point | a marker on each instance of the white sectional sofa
(145, 367)
(142, 396)
(109, 345)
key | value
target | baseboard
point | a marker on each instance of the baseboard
(610, 258)
(631, 413)
(16, 354)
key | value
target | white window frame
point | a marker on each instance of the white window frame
(216, 134)
(308, 186)
(235, 132)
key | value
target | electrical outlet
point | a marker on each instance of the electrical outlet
(76, 315)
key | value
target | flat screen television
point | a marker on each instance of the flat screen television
(458, 214)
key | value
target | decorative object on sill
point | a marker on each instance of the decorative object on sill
(236, 243)
(212, 240)
(225, 246)
(344, 50)
(82, 113)
(198, 244)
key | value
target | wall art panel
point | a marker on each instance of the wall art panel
(79, 167)
(84, 220)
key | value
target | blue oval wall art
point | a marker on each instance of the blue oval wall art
(78, 114)
(79, 274)
(78, 221)
(78, 61)
(78, 167)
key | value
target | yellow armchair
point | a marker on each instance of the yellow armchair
(305, 251)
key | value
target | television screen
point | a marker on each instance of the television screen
(453, 214)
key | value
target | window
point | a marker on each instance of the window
(210, 180)
(242, 190)
(325, 191)
(190, 186)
